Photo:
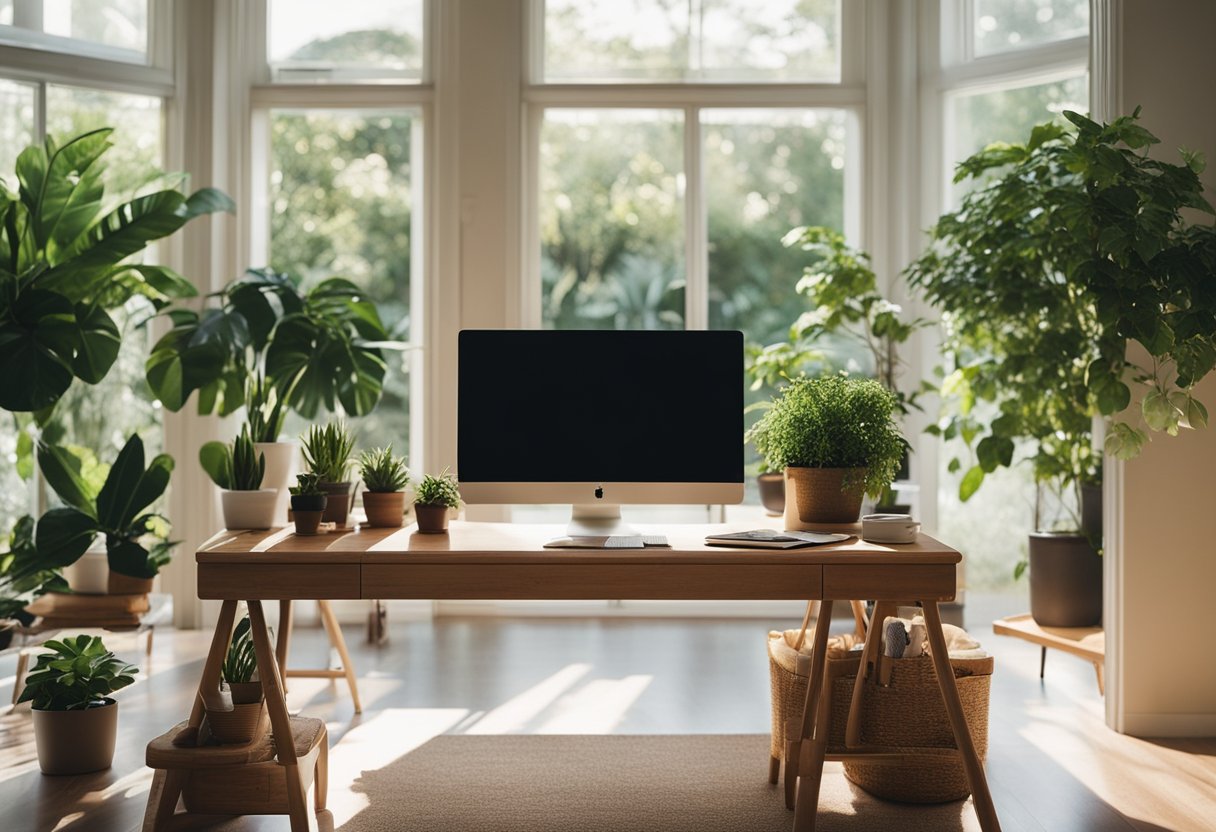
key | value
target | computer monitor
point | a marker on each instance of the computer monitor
(600, 418)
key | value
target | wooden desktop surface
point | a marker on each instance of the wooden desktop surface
(504, 561)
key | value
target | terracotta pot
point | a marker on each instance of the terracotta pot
(76, 742)
(280, 460)
(249, 509)
(236, 726)
(307, 522)
(341, 498)
(120, 584)
(245, 693)
(772, 492)
(385, 509)
(818, 495)
(1065, 581)
(431, 519)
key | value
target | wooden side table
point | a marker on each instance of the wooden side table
(1088, 643)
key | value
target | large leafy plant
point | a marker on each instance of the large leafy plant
(1076, 245)
(833, 422)
(65, 261)
(316, 349)
(23, 577)
(136, 543)
(79, 673)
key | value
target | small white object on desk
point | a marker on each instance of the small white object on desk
(889, 528)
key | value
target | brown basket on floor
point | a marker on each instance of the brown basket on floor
(906, 713)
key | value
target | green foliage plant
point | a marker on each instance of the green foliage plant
(235, 467)
(317, 348)
(137, 542)
(264, 409)
(382, 472)
(441, 490)
(240, 662)
(66, 261)
(307, 485)
(1076, 245)
(327, 451)
(78, 673)
(833, 422)
(22, 576)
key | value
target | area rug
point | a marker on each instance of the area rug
(529, 783)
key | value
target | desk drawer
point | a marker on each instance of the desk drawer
(893, 582)
(278, 581)
(565, 582)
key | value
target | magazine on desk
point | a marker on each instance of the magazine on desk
(772, 539)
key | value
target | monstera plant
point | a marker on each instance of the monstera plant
(65, 261)
(314, 348)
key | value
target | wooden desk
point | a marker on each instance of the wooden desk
(499, 561)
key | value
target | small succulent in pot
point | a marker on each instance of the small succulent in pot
(240, 665)
(238, 469)
(327, 452)
(307, 503)
(385, 477)
(75, 720)
(433, 498)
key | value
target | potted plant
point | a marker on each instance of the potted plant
(238, 470)
(433, 498)
(239, 667)
(265, 415)
(327, 452)
(307, 503)
(836, 440)
(1075, 245)
(384, 479)
(75, 720)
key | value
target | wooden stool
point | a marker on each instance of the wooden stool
(332, 629)
(244, 779)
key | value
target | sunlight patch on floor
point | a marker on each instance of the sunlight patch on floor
(514, 715)
(597, 707)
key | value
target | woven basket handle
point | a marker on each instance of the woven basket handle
(860, 624)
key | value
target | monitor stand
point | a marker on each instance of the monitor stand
(597, 527)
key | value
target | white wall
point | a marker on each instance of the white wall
(1162, 540)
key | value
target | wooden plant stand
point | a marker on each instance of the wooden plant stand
(1088, 643)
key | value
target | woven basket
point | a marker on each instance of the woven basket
(819, 495)
(908, 713)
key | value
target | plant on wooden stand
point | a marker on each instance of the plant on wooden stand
(384, 478)
(327, 453)
(433, 497)
(307, 503)
(238, 470)
(75, 720)
(240, 665)
(836, 439)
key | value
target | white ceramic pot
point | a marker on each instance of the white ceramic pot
(249, 509)
(90, 574)
(280, 466)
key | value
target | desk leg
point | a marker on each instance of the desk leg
(302, 820)
(210, 681)
(283, 642)
(984, 809)
(813, 739)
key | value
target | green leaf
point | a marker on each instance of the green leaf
(63, 535)
(216, 459)
(114, 502)
(99, 343)
(1019, 569)
(1157, 410)
(129, 558)
(971, 483)
(1196, 413)
(61, 188)
(993, 452)
(25, 455)
(208, 201)
(62, 470)
(1113, 396)
(38, 339)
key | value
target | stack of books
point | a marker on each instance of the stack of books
(61, 610)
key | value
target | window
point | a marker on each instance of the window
(313, 40)
(1018, 63)
(111, 29)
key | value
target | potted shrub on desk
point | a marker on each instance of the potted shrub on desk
(75, 720)
(384, 477)
(432, 500)
(240, 665)
(836, 440)
(307, 503)
(238, 470)
(327, 452)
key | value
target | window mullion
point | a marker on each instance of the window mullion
(40, 112)
(696, 243)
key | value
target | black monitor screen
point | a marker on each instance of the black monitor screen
(581, 406)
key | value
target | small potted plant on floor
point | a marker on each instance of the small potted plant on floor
(307, 503)
(432, 500)
(240, 665)
(238, 470)
(836, 439)
(384, 477)
(327, 452)
(75, 720)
